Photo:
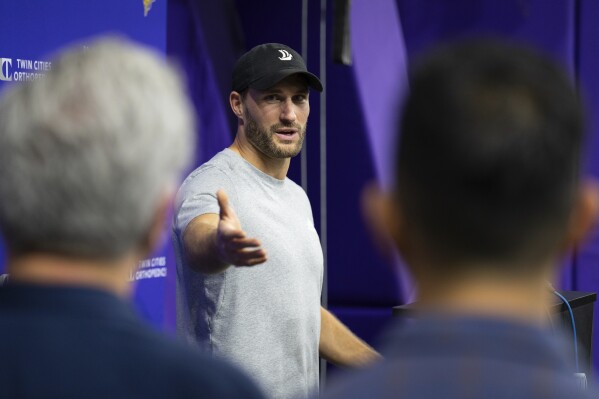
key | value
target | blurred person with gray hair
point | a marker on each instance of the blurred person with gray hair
(90, 156)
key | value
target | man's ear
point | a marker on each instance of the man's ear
(383, 218)
(236, 104)
(584, 213)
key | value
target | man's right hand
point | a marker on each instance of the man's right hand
(213, 242)
(232, 244)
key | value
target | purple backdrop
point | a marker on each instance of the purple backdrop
(585, 274)
(207, 37)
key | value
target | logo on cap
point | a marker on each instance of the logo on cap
(285, 56)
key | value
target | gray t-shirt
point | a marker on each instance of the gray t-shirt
(264, 318)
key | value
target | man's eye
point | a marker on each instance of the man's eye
(300, 99)
(272, 97)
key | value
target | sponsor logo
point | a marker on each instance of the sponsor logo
(159, 272)
(285, 55)
(22, 70)
(5, 67)
(147, 6)
(150, 268)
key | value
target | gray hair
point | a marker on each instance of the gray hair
(88, 152)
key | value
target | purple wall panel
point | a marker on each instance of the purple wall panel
(380, 72)
(359, 130)
(187, 44)
(357, 275)
(586, 273)
(193, 44)
(548, 25)
(588, 60)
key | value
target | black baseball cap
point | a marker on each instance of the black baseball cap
(267, 64)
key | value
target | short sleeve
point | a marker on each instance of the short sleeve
(197, 195)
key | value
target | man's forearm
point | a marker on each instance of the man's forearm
(199, 242)
(340, 346)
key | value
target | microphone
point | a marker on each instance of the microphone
(580, 377)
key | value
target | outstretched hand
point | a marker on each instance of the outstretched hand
(233, 246)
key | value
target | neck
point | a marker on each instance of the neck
(523, 299)
(275, 167)
(46, 269)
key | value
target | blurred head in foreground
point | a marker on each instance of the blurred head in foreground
(487, 194)
(89, 157)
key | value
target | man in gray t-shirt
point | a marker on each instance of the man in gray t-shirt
(249, 263)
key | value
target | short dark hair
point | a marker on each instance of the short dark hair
(488, 155)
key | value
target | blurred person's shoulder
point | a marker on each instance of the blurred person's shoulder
(186, 370)
(465, 358)
(98, 343)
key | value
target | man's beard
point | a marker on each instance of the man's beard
(265, 141)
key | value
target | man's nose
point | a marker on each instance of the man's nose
(288, 111)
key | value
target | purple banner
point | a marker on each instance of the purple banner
(31, 30)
